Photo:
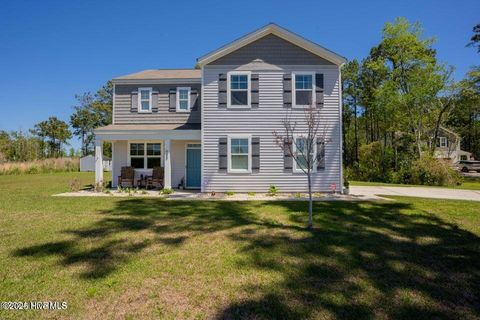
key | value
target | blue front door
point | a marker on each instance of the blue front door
(194, 163)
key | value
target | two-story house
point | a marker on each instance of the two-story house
(212, 128)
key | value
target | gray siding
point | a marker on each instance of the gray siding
(271, 50)
(124, 115)
(261, 122)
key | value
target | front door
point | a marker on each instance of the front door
(194, 162)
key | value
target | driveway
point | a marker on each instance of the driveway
(372, 192)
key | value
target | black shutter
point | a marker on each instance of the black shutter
(254, 90)
(222, 90)
(222, 154)
(255, 154)
(154, 101)
(287, 90)
(287, 157)
(194, 99)
(320, 153)
(319, 89)
(134, 105)
(172, 97)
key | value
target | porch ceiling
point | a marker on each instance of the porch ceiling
(148, 131)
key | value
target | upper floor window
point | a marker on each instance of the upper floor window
(239, 154)
(443, 142)
(239, 89)
(183, 99)
(144, 99)
(303, 94)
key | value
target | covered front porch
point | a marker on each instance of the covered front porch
(174, 148)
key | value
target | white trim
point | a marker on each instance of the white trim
(295, 169)
(248, 90)
(158, 81)
(278, 31)
(145, 157)
(139, 97)
(445, 142)
(229, 153)
(113, 105)
(177, 103)
(145, 135)
(340, 134)
(294, 89)
(202, 184)
(186, 157)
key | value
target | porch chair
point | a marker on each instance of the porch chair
(127, 177)
(156, 181)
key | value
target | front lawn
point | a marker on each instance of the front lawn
(148, 258)
(469, 183)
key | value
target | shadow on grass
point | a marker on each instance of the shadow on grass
(364, 260)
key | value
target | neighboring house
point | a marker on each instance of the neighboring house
(448, 147)
(212, 128)
(87, 163)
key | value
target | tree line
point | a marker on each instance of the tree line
(49, 138)
(397, 99)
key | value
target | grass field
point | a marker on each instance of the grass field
(137, 258)
(468, 184)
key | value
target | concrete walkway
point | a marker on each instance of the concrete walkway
(421, 192)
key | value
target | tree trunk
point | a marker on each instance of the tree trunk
(310, 201)
(356, 130)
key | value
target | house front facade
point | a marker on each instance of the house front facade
(448, 147)
(212, 128)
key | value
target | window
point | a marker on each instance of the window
(239, 152)
(303, 89)
(300, 151)
(183, 99)
(144, 99)
(443, 142)
(239, 89)
(145, 155)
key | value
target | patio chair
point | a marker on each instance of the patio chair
(127, 177)
(156, 181)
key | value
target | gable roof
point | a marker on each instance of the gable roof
(275, 29)
(162, 74)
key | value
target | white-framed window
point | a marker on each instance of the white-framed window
(299, 149)
(183, 99)
(144, 99)
(239, 153)
(145, 155)
(443, 142)
(303, 93)
(238, 84)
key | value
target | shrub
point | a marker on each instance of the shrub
(74, 185)
(298, 195)
(144, 192)
(229, 193)
(252, 194)
(272, 190)
(430, 171)
(166, 191)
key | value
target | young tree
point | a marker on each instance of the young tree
(55, 131)
(305, 144)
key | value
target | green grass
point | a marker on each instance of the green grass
(140, 258)
(468, 184)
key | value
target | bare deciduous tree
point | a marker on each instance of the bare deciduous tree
(305, 144)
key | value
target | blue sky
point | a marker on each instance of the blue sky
(51, 50)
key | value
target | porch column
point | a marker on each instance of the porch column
(168, 165)
(98, 161)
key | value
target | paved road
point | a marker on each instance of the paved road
(369, 192)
